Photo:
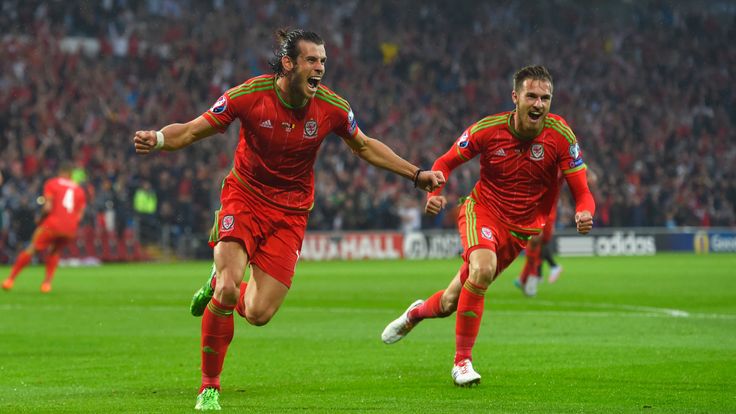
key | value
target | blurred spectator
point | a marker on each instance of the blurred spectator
(641, 83)
(410, 214)
(145, 205)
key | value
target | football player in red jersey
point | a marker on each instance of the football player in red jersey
(63, 209)
(267, 196)
(537, 250)
(521, 153)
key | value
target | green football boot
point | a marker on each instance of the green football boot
(208, 399)
(202, 297)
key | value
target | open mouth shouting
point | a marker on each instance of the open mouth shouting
(535, 116)
(313, 83)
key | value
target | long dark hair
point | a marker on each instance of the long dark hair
(288, 40)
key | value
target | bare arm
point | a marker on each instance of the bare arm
(176, 136)
(379, 154)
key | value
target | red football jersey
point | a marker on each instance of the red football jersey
(67, 203)
(518, 178)
(278, 143)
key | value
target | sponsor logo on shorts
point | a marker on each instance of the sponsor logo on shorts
(219, 106)
(228, 222)
(310, 129)
(486, 233)
(463, 141)
(537, 152)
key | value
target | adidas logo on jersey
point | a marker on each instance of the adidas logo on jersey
(266, 124)
(500, 153)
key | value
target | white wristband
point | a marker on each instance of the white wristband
(159, 140)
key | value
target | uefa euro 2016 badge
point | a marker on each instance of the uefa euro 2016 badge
(463, 141)
(575, 151)
(219, 106)
(486, 233)
(310, 129)
(351, 120)
(537, 152)
(227, 223)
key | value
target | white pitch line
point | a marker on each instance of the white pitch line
(615, 310)
(677, 313)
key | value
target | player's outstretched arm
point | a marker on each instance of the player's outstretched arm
(584, 202)
(379, 154)
(445, 164)
(172, 137)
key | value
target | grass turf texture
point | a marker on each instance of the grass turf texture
(610, 336)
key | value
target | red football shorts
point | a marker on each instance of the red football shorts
(272, 237)
(44, 237)
(481, 230)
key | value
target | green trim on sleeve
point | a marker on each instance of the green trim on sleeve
(576, 169)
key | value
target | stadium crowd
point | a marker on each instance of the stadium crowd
(645, 86)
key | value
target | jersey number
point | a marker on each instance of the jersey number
(68, 201)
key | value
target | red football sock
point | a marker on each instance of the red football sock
(240, 306)
(533, 261)
(51, 262)
(22, 261)
(217, 332)
(467, 324)
(429, 309)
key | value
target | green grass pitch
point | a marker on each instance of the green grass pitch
(613, 335)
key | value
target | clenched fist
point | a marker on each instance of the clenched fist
(145, 142)
(584, 221)
(435, 204)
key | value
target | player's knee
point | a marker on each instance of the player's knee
(482, 274)
(258, 317)
(227, 290)
(448, 303)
